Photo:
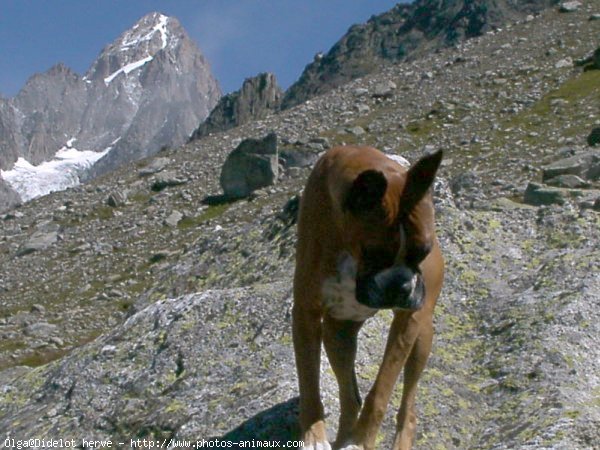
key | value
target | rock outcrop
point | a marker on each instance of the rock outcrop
(8, 196)
(258, 97)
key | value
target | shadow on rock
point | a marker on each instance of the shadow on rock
(278, 423)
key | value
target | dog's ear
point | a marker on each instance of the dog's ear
(419, 180)
(366, 192)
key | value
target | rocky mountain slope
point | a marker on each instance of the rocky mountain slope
(132, 309)
(148, 89)
(406, 32)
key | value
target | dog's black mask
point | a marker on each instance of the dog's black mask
(395, 287)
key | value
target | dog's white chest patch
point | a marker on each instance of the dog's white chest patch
(339, 293)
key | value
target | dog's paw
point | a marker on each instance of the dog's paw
(315, 438)
(351, 447)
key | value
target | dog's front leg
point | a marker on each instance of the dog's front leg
(307, 336)
(401, 338)
(339, 337)
(407, 419)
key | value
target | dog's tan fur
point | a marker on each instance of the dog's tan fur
(325, 231)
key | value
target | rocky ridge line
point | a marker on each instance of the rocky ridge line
(406, 32)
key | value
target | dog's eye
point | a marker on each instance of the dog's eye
(376, 259)
(417, 254)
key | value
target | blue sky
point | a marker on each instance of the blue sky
(240, 38)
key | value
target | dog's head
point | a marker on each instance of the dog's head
(394, 226)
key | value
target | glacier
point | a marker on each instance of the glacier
(60, 173)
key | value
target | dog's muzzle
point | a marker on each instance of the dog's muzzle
(395, 287)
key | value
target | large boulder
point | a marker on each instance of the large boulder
(252, 165)
(188, 364)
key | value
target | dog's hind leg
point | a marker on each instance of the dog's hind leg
(339, 337)
(407, 419)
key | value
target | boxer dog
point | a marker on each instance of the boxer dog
(366, 242)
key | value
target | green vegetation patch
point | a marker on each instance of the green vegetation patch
(211, 212)
(566, 108)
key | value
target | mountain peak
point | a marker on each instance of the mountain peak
(154, 28)
(137, 46)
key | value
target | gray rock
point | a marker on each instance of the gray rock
(362, 108)
(9, 198)
(356, 130)
(567, 7)
(37, 308)
(385, 89)
(40, 329)
(585, 165)
(298, 157)
(167, 179)
(40, 240)
(173, 219)
(116, 199)
(176, 91)
(565, 62)
(590, 61)
(157, 165)
(176, 362)
(323, 141)
(252, 165)
(538, 195)
(466, 185)
(568, 181)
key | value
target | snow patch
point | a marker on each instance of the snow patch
(161, 27)
(58, 174)
(131, 40)
(128, 68)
